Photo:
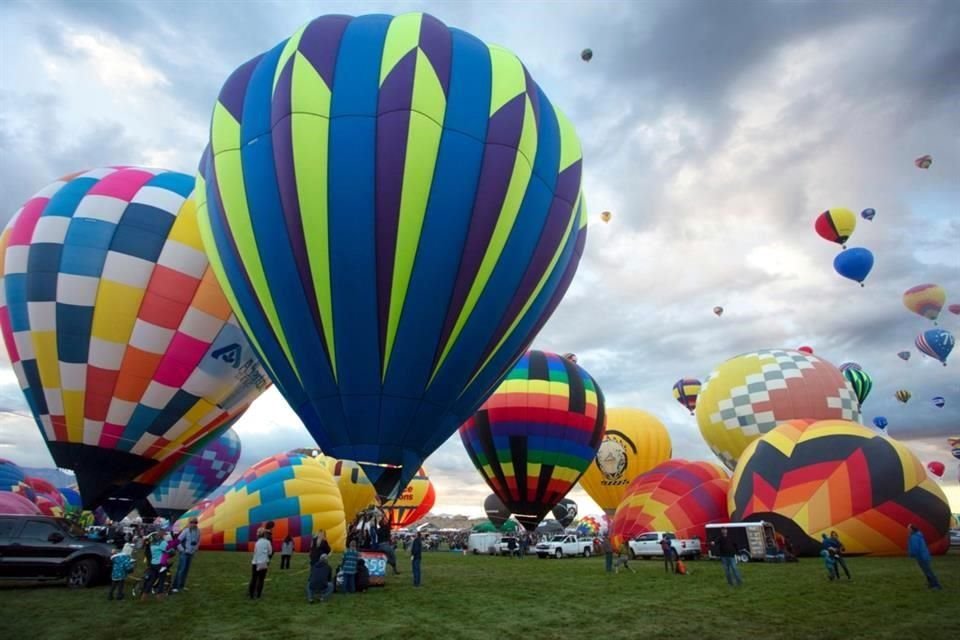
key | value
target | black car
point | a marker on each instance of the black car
(45, 548)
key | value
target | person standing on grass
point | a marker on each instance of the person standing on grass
(725, 549)
(607, 547)
(260, 563)
(386, 546)
(623, 559)
(415, 551)
(838, 551)
(286, 552)
(189, 543)
(667, 549)
(918, 550)
(348, 567)
(156, 547)
(122, 566)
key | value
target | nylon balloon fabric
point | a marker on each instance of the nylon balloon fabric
(202, 473)
(418, 217)
(678, 496)
(536, 435)
(294, 491)
(413, 503)
(120, 337)
(810, 478)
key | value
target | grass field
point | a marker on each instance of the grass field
(485, 597)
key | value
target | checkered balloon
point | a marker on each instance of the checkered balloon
(747, 396)
(120, 337)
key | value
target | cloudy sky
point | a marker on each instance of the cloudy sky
(715, 133)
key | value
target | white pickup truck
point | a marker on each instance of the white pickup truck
(565, 545)
(647, 545)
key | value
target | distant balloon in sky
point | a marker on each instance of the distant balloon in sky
(938, 401)
(954, 309)
(586, 55)
(880, 422)
(954, 447)
(836, 225)
(936, 468)
(868, 214)
(854, 264)
(850, 365)
(718, 311)
(925, 300)
(861, 382)
(605, 216)
(903, 355)
(572, 357)
(936, 343)
(685, 392)
(805, 349)
(903, 396)
(394, 210)
(923, 162)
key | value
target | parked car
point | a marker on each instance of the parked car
(954, 537)
(565, 545)
(647, 545)
(46, 548)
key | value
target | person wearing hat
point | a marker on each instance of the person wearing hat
(189, 543)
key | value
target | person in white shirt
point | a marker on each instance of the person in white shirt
(262, 551)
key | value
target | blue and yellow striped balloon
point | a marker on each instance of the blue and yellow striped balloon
(394, 209)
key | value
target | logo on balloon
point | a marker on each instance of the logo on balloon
(230, 354)
(612, 460)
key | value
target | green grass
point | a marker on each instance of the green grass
(485, 597)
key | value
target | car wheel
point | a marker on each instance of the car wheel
(586, 552)
(558, 554)
(82, 573)
(744, 557)
(633, 554)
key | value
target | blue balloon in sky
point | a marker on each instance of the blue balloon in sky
(936, 343)
(867, 214)
(880, 422)
(854, 264)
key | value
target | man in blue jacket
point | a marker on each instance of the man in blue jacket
(918, 551)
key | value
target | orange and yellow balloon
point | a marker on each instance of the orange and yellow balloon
(634, 443)
(356, 489)
(925, 300)
(414, 502)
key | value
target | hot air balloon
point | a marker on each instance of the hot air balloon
(954, 309)
(850, 365)
(923, 162)
(294, 491)
(868, 214)
(925, 300)
(750, 394)
(423, 205)
(202, 473)
(11, 475)
(678, 496)
(605, 216)
(806, 350)
(685, 392)
(854, 264)
(634, 443)
(880, 422)
(414, 502)
(860, 381)
(938, 401)
(536, 435)
(903, 395)
(954, 447)
(496, 511)
(718, 311)
(121, 339)
(565, 512)
(586, 55)
(71, 497)
(836, 225)
(572, 357)
(903, 355)
(17, 504)
(355, 488)
(936, 468)
(590, 526)
(834, 475)
(936, 343)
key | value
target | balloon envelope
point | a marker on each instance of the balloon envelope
(413, 503)
(202, 473)
(868, 214)
(937, 468)
(836, 225)
(903, 395)
(850, 365)
(11, 475)
(880, 422)
(923, 162)
(586, 55)
(718, 311)
(939, 401)
(954, 309)
(750, 394)
(496, 511)
(418, 217)
(121, 339)
(16, 504)
(860, 381)
(925, 300)
(936, 343)
(538, 432)
(634, 443)
(903, 355)
(355, 488)
(685, 391)
(565, 512)
(809, 478)
(854, 264)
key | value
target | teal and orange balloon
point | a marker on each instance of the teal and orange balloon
(535, 436)
(394, 209)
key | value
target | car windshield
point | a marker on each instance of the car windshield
(558, 538)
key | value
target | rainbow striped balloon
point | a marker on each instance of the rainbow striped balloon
(536, 435)
(393, 208)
